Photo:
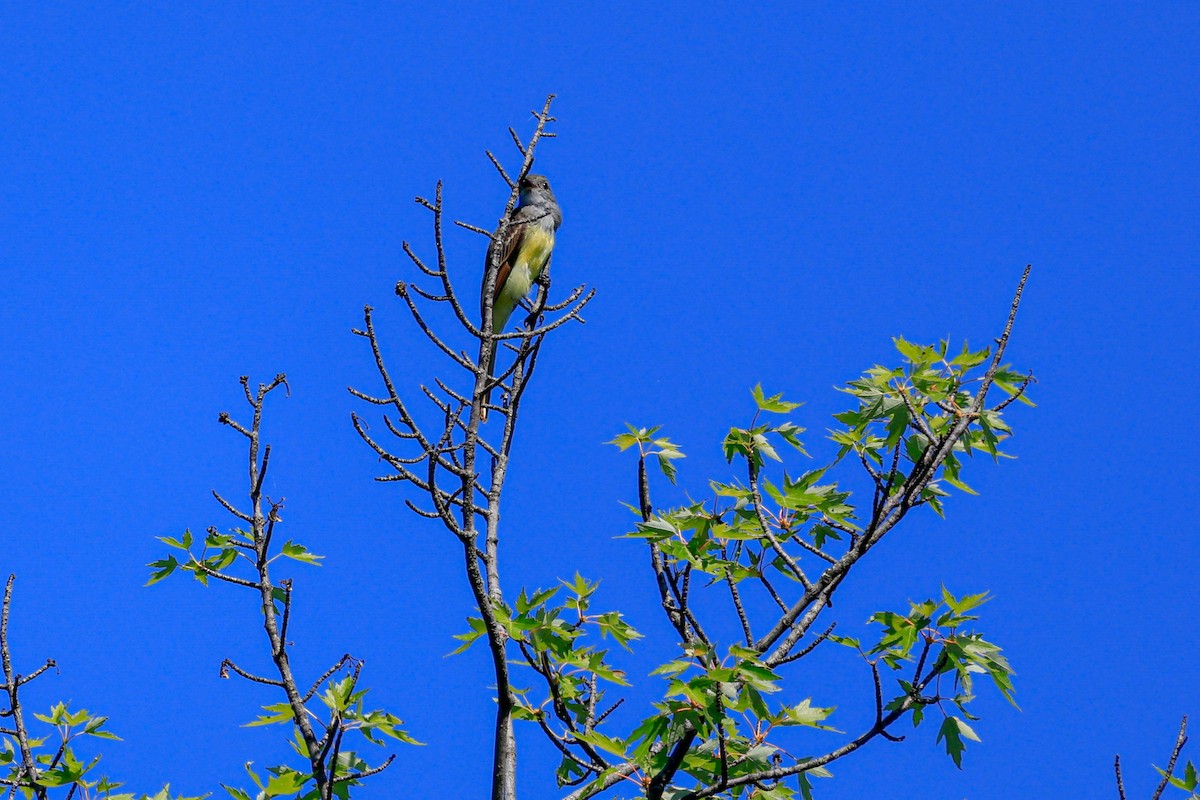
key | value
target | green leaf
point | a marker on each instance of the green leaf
(221, 560)
(805, 787)
(299, 552)
(761, 445)
(635, 436)
(950, 471)
(966, 603)
(774, 404)
(655, 529)
(162, 569)
(257, 781)
(581, 588)
(918, 355)
(806, 714)
(741, 651)
(218, 540)
(896, 426)
(967, 359)
(611, 624)
(647, 733)
(176, 543)
(967, 731)
(791, 434)
(624, 441)
(664, 463)
(953, 730)
(737, 442)
(281, 712)
(1187, 782)
(287, 781)
(758, 676)
(672, 668)
(606, 743)
(94, 727)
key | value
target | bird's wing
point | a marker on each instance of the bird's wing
(512, 241)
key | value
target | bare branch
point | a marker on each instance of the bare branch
(354, 776)
(26, 771)
(816, 551)
(221, 576)
(762, 578)
(1017, 395)
(402, 292)
(24, 679)
(741, 612)
(430, 296)
(327, 674)
(1001, 345)
(473, 228)
(807, 648)
(517, 141)
(228, 665)
(500, 167)
(573, 314)
(408, 251)
(609, 710)
(225, 419)
(1180, 741)
(229, 507)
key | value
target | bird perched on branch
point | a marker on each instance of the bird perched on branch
(522, 247)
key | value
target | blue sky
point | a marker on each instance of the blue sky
(768, 194)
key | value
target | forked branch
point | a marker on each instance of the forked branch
(457, 466)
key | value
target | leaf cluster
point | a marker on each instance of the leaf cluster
(61, 763)
(557, 642)
(244, 557)
(786, 541)
(904, 411)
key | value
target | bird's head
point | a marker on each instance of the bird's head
(534, 187)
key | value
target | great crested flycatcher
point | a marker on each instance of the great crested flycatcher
(524, 251)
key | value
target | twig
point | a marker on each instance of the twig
(12, 683)
(227, 665)
(741, 612)
(1180, 741)
(807, 648)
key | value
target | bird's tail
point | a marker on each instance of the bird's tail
(487, 395)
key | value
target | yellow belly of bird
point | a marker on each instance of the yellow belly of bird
(528, 264)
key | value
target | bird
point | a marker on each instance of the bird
(524, 241)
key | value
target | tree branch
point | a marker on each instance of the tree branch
(1180, 741)
(27, 771)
